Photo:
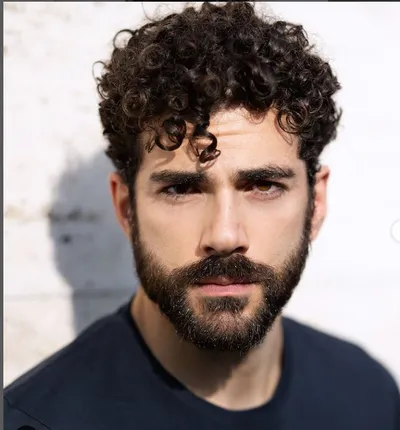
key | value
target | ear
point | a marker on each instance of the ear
(320, 201)
(121, 202)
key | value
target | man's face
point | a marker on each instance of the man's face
(220, 247)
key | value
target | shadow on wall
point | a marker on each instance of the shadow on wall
(91, 252)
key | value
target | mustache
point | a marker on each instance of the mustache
(236, 266)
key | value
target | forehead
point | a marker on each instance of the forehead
(244, 143)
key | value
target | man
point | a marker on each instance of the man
(216, 118)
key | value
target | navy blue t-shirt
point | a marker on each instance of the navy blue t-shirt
(107, 379)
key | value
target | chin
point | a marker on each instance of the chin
(225, 333)
(222, 324)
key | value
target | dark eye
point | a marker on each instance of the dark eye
(179, 189)
(264, 186)
(267, 189)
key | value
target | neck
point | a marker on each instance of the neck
(225, 379)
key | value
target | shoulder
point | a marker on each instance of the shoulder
(60, 385)
(344, 369)
(323, 346)
(16, 418)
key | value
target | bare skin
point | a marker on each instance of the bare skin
(260, 222)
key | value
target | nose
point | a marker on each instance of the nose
(224, 230)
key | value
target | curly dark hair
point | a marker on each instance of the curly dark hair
(186, 66)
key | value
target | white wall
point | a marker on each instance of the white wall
(64, 270)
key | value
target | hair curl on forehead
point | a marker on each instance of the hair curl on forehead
(175, 129)
(187, 66)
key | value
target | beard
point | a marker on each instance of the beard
(221, 323)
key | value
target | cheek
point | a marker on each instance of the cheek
(169, 232)
(275, 231)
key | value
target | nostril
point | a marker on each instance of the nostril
(240, 250)
(209, 250)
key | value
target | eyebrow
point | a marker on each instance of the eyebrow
(268, 172)
(178, 177)
(264, 173)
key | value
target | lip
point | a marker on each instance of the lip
(225, 286)
(223, 281)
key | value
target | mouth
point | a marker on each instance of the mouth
(222, 286)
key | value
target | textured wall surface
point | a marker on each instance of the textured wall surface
(67, 263)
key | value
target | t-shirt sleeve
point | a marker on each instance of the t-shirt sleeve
(397, 409)
(391, 399)
(17, 419)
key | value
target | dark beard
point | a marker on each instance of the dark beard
(219, 323)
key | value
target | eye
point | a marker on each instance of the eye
(178, 190)
(264, 187)
(267, 189)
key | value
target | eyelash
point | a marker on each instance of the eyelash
(280, 189)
